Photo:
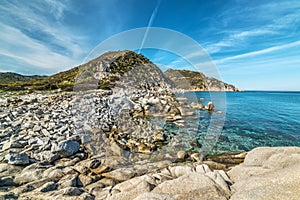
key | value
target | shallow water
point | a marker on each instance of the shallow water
(258, 118)
(255, 118)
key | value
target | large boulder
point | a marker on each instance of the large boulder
(268, 173)
(191, 185)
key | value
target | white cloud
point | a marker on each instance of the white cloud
(218, 46)
(26, 17)
(262, 20)
(56, 48)
(31, 51)
(245, 34)
(57, 8)
(196, 54)
(259, 52)
(235, 38)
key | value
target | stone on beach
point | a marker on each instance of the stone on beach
(18, 158)
(266, 173)
(121, 174)
(181, 155)
(7, 181)
(66, 148)
(12, 144)
(31, 173)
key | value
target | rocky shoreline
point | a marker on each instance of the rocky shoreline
(43, 156)
(52, 125)
(46, 153)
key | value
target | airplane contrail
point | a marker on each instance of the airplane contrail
(153, 15)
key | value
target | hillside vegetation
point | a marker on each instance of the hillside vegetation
(111, 65)
(9, 77)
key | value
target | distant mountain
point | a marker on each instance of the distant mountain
(12, 81)
(10, 77)
(104, 71)
(196, 81)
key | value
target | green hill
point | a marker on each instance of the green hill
(10, 77)
(113, 63)
(112, 66)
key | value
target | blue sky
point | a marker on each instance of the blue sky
(254, 44)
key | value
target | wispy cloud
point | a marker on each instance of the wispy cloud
(218, 46)
(57, 8)
(245, 25)
(235, 38)
(30, 51)
(268, 71)
(34, 35)
(260, 52)
(252, 33)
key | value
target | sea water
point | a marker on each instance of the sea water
(253, 119)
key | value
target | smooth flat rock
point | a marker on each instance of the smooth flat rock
(268, 173)
(141, 188)
(121, 174)
(262, 160)
(185, 184)
(31, 173)
(133, 183)
(209, 193)
(283, 184)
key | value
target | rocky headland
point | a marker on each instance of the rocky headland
(105, 140)
(197, 81)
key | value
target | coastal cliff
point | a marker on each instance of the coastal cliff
(197, 81)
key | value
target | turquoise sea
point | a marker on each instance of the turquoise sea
(255, 118)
